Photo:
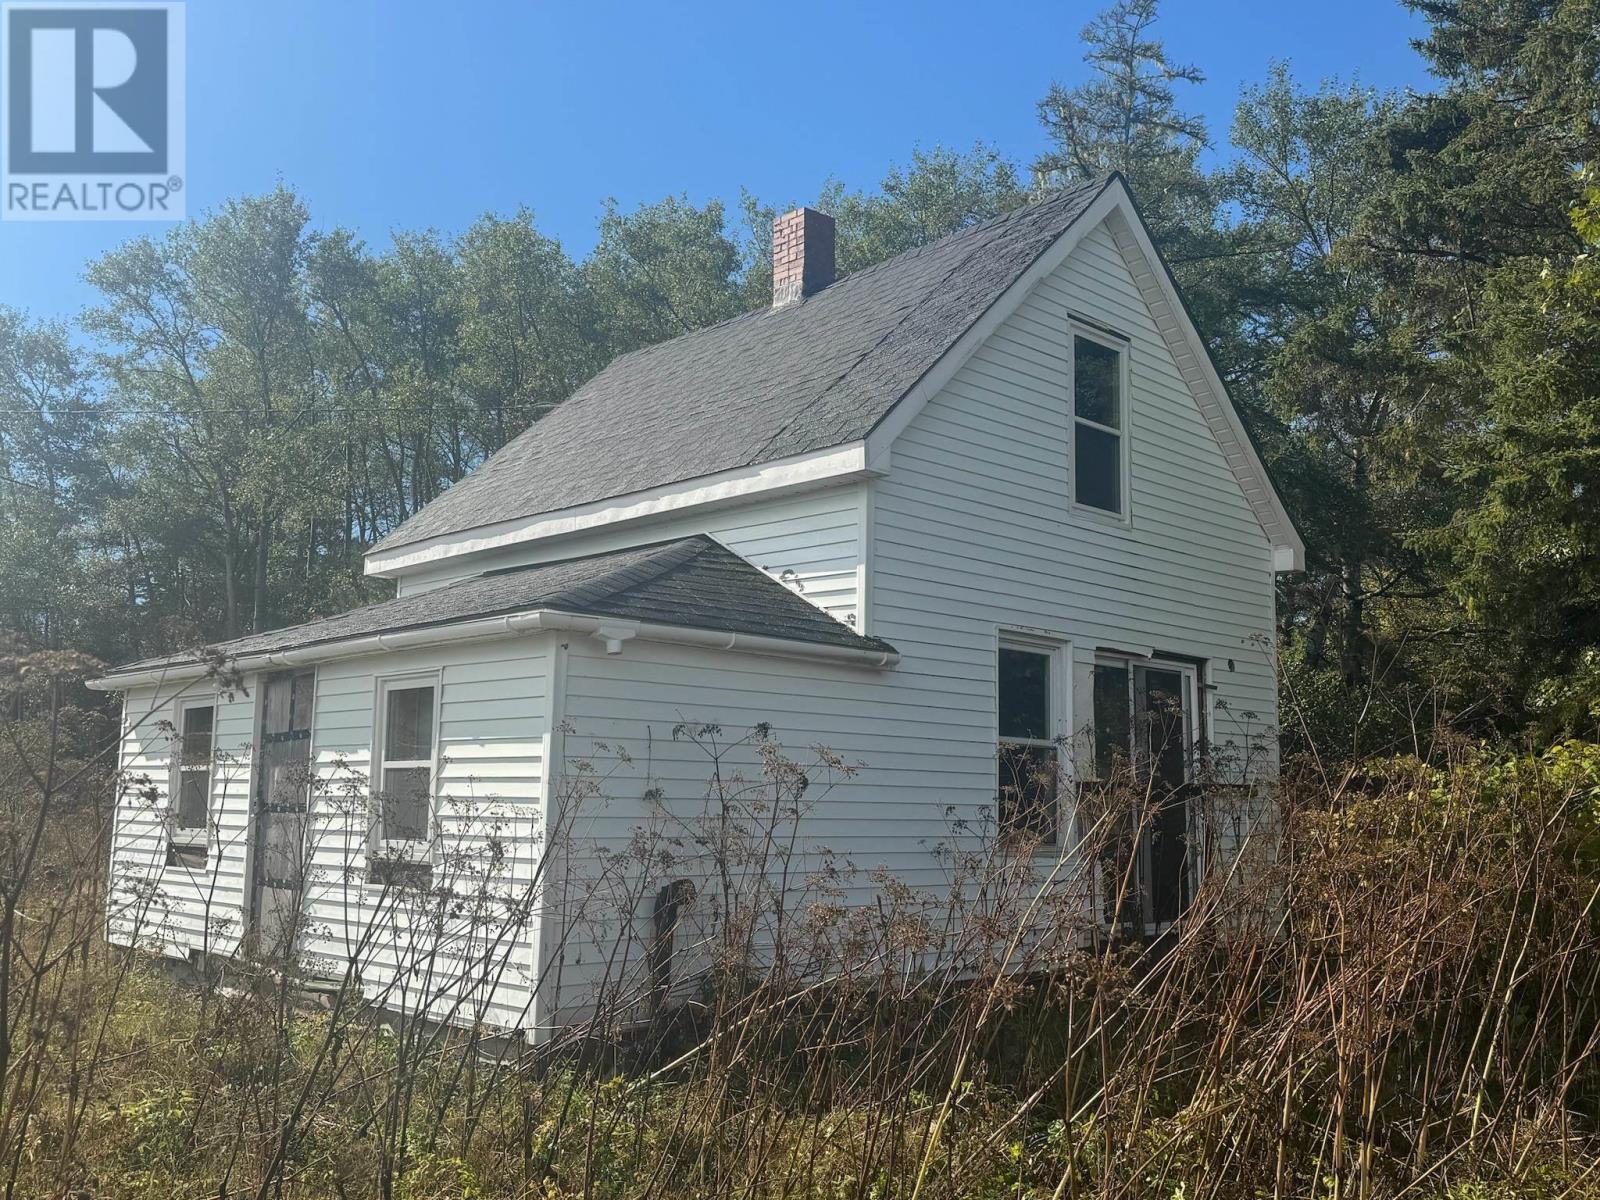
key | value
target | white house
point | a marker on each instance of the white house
(938, 515)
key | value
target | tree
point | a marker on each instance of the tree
(1126, 118)
(661, 270)
(1470, 227)
(54, 590)
(941, 192)
(211, 367)
(528, 336)
(1524, 543)
(1323, 357)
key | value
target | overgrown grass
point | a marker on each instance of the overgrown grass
(1386, 984)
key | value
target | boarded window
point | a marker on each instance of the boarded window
(1027, 758)
(1097, 425)
(405, 779)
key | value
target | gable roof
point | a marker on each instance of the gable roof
(691, 583)
(764, 386)
(736, 408)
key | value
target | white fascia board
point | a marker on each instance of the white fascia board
(835, 465)
(1188, 348)
(894, 422)
(609, 630)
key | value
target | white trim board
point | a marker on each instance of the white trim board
(613, 631)
(805, 471)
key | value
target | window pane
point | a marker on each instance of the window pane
(1112, 718)
(1163, 725)
(192, 790)
(1097, 464)
(1024, 687)
(404, 803)
(1096, 381)
(408, 733)
(1027, 790)
(197, 726)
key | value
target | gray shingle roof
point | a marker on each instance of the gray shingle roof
(693, 582)
(770, 384)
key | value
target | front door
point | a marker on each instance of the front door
(1144, 740)
(279, 809)
(1162, 712)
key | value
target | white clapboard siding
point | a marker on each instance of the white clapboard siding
(811, 542)
(493, 722)
(972, 533)
(560, 773)
(175, 909)
(621, 743)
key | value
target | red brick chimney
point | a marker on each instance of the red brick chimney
(802, 255)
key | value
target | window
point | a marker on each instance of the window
(191, 784)
(1027, 760)
(1098, 417)
(405, 762)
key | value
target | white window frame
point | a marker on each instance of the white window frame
(1122, 347)
(403, 848)
(1059, 652)
(192, 837)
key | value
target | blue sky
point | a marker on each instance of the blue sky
(393, 114)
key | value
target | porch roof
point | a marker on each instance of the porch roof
(690, 583)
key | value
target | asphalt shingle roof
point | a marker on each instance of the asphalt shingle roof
(693, 582)
(770, 384)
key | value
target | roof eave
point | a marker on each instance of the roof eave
(608, 630)
(820, 468)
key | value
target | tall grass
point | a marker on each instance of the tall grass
(1385, 984)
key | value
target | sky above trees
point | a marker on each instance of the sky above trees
(406, 115)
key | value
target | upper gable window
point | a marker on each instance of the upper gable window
(1099, 421)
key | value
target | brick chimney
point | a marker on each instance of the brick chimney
(802, 255)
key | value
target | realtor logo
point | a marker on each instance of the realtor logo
(91, 111)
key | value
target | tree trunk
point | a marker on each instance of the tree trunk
(258, 604)
(1353, 628)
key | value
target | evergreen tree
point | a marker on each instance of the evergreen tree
(1126, 117)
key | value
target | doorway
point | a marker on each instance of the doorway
(1146, 730)
(1163, 708)
(279, 813)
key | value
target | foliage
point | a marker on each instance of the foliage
(940, 193)
(1126, 118)
(1398, 290)
(1384, 985)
